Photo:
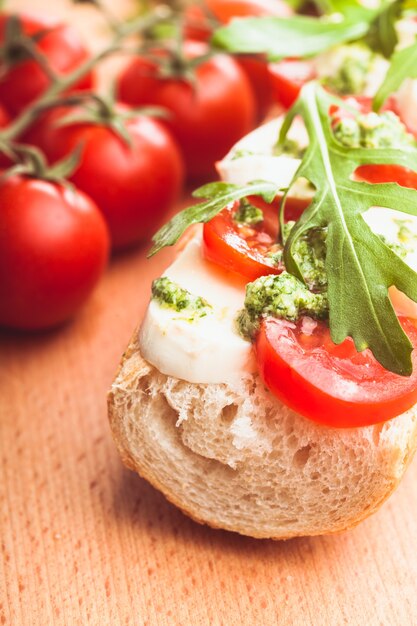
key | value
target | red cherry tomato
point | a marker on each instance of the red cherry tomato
(256, 69)
(225, 10)
(242, 249)
(197, 24)
(331, 384)
(287, 79)
(53, 249)
(134, 186)
(25, 81)
(207, 117)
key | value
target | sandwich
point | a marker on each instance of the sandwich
(271, 388)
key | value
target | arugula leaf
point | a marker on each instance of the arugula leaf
(382, 36)
(296, 36)
(403, 65)
(352, 9)
(360, 266)
(218, 195)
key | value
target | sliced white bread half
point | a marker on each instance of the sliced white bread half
(235, 457)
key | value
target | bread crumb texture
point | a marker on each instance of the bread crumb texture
(235, 457)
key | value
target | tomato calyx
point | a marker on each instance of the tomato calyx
(179, 61)
(30, 162)
(19, 46)
(105, 111)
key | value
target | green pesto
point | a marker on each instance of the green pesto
(397, 247)
(171, 295)
(289, 147)
(406, 236)
(354, 63)
(373, 130)
(248, 214)
(309, 252)
(281, 296)
(242, 153)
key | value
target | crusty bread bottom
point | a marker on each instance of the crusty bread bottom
(234, 457)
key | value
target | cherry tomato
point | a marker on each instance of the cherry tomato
(198, 26)
(134, 186)
(53, 249)
(207, 116)
(256, 69)
(287, 79)
(242, 249)
(225, 10)
(327, 383)
(25, 81)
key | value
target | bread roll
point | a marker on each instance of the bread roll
(235, 457)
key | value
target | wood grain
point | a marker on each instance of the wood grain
(85, 541)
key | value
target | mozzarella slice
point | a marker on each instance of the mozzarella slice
(406, 102)
(385, 222)
(206, 349)
(258, 161)
(280, 170)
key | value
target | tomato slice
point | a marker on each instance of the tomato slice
(387, 174)
(242, 249)
(226, 10)
(287, 78)
(237, 247)
(331, 384)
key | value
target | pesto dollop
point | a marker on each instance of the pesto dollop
(350, 66)
(309, 252)
(373, 130)
(248, 214)
(289, 147)
(280, 295)
(171, 295)
(285, 296)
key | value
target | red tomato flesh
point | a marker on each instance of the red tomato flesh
(387, 174)
(331, 384)
(225, 10)
(287, 78)
(241, 249)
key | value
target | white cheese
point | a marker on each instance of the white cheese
(406, 102)
(259, 162)
(206, 349)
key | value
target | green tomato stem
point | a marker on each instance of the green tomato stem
(65, 82)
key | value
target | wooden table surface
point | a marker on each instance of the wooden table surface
(85, 541)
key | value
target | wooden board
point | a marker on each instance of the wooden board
(85, 541)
